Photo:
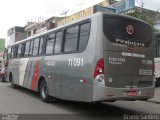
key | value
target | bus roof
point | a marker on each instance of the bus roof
(76, 21)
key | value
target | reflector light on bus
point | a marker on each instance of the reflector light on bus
(148, 94)
(110, 95)
(131, 48)
(99, 69)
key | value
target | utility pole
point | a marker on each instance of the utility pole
(64, 13)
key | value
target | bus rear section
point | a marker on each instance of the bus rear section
(157, 71)
(126, 70)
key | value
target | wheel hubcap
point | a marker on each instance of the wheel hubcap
(44, 91)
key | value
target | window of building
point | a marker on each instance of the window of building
(58, 43)
(41, 45)
(84, 36)
(34, 31)
(26, 53)
(50, 43)
(29, 33)
(35, 46)
(71, 39)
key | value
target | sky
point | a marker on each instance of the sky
(19, 12)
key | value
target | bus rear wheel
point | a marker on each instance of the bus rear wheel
(3, 79)
(44, 91)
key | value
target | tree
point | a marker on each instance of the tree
(2, 44)
(143, 16)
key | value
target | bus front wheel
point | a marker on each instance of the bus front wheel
(11, 80)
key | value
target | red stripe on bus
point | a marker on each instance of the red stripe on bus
(35, 76)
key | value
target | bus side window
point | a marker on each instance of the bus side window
(58, 43)
(31, 48)
(35, 47)
(23, 49)
(19, 50)
(84, 36)
(9, 53)
(71, 39)
(12, 52)
(15, 51)
(41, 44)
(27, 46)
(50, 43)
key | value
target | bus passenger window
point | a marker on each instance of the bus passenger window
(12, 52)
(58, 43)
(41, 45)
(84, 36)
(27, 48)
(35, 47)
(31, 48)
(71, 39)
(50, 43)
(19, 50)
(23, 49)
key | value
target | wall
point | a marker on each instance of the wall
(80, 14)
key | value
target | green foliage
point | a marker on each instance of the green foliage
(2, 44)
(143, 16)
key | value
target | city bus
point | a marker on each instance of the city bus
(102, 57)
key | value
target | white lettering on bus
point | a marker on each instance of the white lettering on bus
(147, 62)
(116, 60)
(133, 55)
(145, 72)
(128, 42)
(51, 63)
(75, 62)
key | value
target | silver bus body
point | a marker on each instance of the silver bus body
(105, 68)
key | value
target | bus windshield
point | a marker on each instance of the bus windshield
(127, 31)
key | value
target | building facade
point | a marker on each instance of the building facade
(32, 28)
(81, 14)
(15, 34)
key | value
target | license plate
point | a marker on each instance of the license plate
(131, 93)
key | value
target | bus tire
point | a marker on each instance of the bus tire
(11, 80)
(3, 79)
(44, 91)
(157, 84)
(97, 102)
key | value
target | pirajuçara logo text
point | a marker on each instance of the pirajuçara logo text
(128, 42)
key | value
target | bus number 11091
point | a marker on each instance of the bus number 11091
(75, 62)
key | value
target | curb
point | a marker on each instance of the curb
(154, 101)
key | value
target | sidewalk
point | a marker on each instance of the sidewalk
(156, 96)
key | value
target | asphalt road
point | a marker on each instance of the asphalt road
(22, 101)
